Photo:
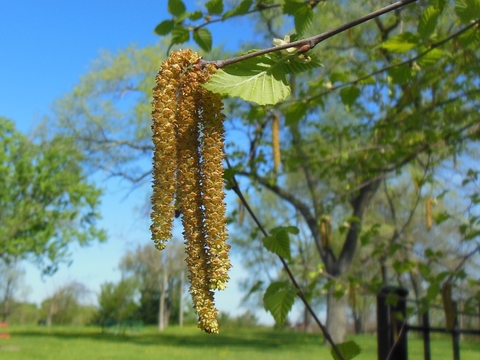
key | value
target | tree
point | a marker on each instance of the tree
(11, 277)
(397, 90)
(46, 200)
(160, 279)
(423, 115)
(116, 302)
(62, 307)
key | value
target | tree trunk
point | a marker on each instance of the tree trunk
(161, 312)
(336, 317)
(182, 285)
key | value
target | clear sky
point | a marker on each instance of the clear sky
(44, 48)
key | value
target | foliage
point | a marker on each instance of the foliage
(155, 275)
(116, 302)
(46, 200)
(63, 307)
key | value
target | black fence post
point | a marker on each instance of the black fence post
(391, 324)
(426, 336)
(455, 335)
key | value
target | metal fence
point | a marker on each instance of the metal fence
(393, 328)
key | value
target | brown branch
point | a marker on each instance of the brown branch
(313, 41)
(300, 294)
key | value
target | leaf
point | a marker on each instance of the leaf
(180, 35)
(279, 244)
(401, 43)
(428, 22)
(165, 27)
(260, 80)
(302, 14)
(439, 4)
(433, 291)
(349, 95)
(400, 74)
(196, 15)
(467, 10)
(349, 350)
(278, 300)
(203, 38)
(176, 7)
(295, 112)
(431, 57)
(292, 66)
(241, 9)
(214, 6)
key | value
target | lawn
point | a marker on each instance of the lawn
(88, 343)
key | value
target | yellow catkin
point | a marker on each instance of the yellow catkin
(326, 231)
(428, 213)
(193, 158)
(276, 141)
(448, 306)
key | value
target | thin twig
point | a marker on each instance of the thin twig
(300, 294)
(313, 41)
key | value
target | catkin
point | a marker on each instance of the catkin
(448, 306)
(276, 141)
(428, 213)
(326, 231)
(188, 139)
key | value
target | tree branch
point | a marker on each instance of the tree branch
(311, 42)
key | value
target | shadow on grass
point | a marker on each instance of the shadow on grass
(253, 338)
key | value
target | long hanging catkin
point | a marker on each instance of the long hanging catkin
(188, 138)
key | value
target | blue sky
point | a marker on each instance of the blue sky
(45, 47)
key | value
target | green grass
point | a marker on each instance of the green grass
(71, 343)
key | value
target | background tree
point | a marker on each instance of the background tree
(11, 276)
(160, 279)
(116, 302)
(46, 201)
(64, 304)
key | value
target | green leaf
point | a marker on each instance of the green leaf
(433, 291)
(467, 10)
(196, 15)
(349, 350)
(214, 6)
(401, 43)
(203, 38)
(302, 14)
(165, 27)
(289, 229)
(293, 66)
(440, 218)
(470, 38)
(349, 95)
(260, 80)
(278, 243)
(400, 74)
(428, 22)
(295, 112)
(176, 7)
(180, 35)
(241, 9)
(338, 76)
(432, 57)
(439, 4)
(278, 300)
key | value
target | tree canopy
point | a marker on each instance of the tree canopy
(46, 201)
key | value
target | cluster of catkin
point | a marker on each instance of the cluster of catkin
(188, 136)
